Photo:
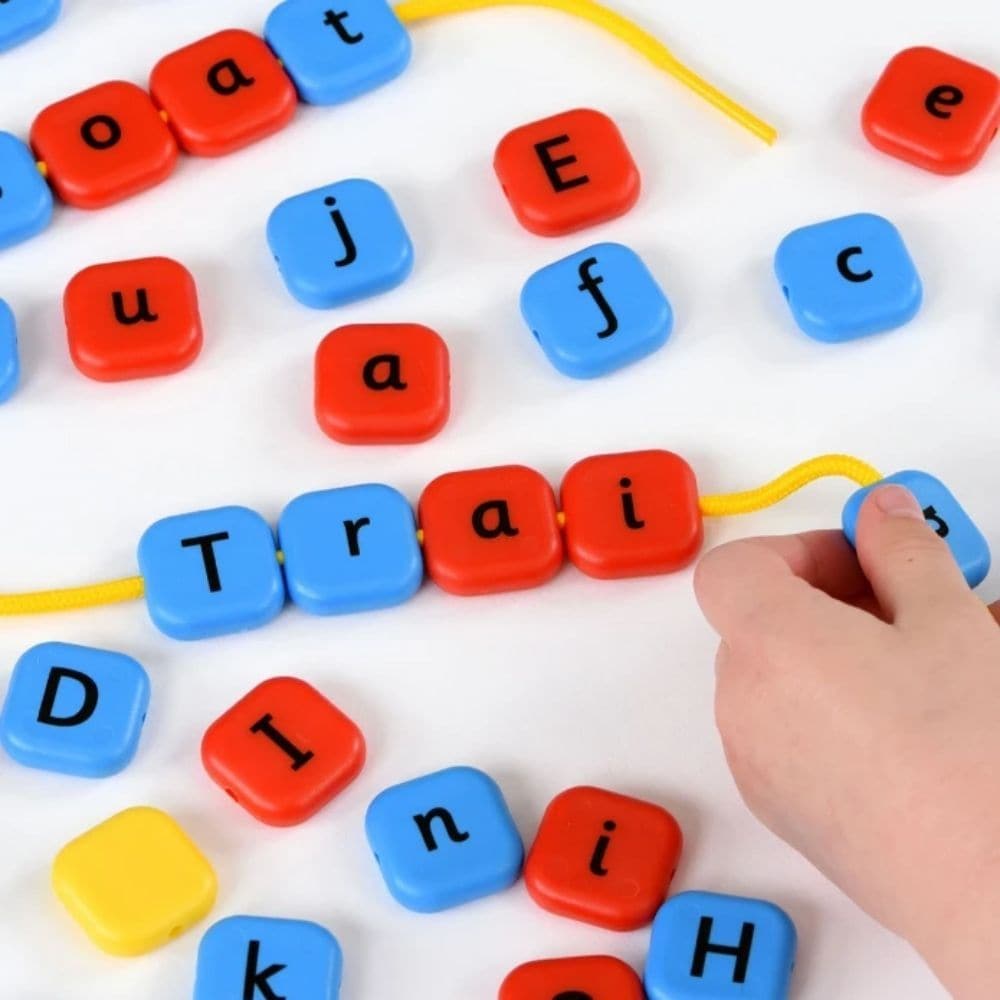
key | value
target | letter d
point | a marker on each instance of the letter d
(56, 676)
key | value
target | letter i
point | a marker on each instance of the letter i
(601, 850)
(628, 506)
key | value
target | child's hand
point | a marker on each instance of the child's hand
(859, 705)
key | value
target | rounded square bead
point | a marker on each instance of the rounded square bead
(23, 19)
(603, 858)
(382, 383)
(444, 839)
(335, 55)
(631, 514)
(211, 573)
(25, 199)
(74, 710)
(933, 110)
(264, 957)
(283, 751)
(134, 882)
(104, 144)
(848, 278)
(596, 311)
(943, 513)
(594, 977)
(350, 549)
(339, 243)
(10, 363)
(707, 946)
(567, 172)
(490, 530)
(223, 92)
(132, 319)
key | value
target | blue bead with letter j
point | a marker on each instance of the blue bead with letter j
(942, 512)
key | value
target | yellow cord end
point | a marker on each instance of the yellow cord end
(72, 598)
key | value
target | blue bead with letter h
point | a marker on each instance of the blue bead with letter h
(707, 946)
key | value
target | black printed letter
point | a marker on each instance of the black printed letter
(504, 525)
(741, 952)
(350, 250)
(353, 529)
(237, 79)
(628, 507)
(142, 314)
(391, 379)
(205, 543)
(552, 167)
(113, 132)
(943, 97)
(424, 824)
(336, 21)
(255, 980)
(601, 850)
(299, 757)
(591, 283)
(85, 711)
(843, 266)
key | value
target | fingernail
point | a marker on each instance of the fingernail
(897, 501)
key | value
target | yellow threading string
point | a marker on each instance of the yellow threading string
(132, 588)
(728, 504)
(621, 27)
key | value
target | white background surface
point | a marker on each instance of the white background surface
(582, 681)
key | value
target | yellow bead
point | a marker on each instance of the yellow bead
(134, 882)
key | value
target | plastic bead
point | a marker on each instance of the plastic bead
(567, 172)
(711, 947)
(490, 530)
(596, 311)
(223, 92)
(23, 19)
(603, 858)
(283, 751)
(334, 55)
(74, 710)
(134, 882)
(632, 514)
(103, 145)
(595, 977)
(265, 957)
(848, 278)
(340, 243)
(350, 549)
(25, 199)
(444, 839)
(943, 513)
(210, 573)
(934, 110)
(382, 383)
(132, 319)
(10, 363)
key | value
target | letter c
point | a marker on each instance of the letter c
(843, 266)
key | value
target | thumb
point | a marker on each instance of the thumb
(912, 572)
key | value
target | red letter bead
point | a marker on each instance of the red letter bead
(596, 977)
(283, 751)
(567, 172)
(633, 514)
(132, 319)
(934, 110)
(490, 530)
(382, 383)
(103, 145)
(223, 92)
(603, 858)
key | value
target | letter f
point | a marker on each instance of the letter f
(591, 283)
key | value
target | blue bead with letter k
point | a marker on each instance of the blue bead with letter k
(596, 311)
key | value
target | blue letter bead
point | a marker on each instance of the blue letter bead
(352, 549)
(943, 513)
(848, 278)
(23, 19)
(211, 573)
(74, 710)
(444, 839)
(333, 56)
(25, 198)
(711, 947)
(269, 957)
(596, 311)
(340, 243)
(10, 366)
